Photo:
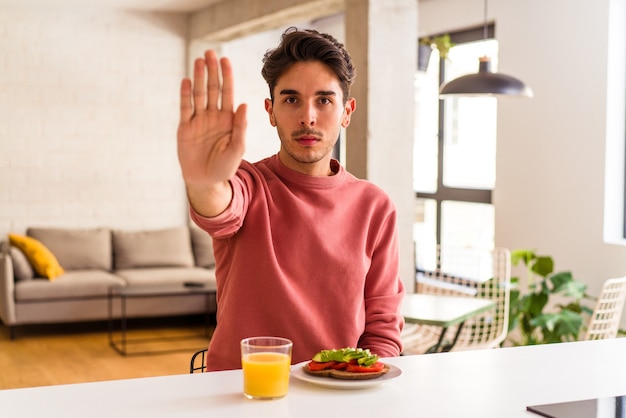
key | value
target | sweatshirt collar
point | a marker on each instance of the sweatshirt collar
(305, 180)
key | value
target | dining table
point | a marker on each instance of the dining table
(443, 311)
(498, 383)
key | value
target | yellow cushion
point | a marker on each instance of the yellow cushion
(43, 261)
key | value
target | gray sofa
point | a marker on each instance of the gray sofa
(97, 259)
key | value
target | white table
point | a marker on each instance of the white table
(496, 383)
(443, 311)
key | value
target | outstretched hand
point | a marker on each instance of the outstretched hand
(211, 135)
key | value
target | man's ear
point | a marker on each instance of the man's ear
(270, 111)
(347, 112)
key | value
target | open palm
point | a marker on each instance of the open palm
(211, 135)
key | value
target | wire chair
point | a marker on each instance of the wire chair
(198, 361)
(607, 314)
(465, 272)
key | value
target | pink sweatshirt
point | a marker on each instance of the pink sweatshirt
(312, 259)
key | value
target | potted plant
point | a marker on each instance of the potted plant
(426, 45)
(534, 314)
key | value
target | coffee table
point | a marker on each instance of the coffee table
(125, 295)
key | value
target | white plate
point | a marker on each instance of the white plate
(329, 382)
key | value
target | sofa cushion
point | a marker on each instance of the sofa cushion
(22, 270)
(167, 275)
(40, 257)
(77, 249)
(73, 284)
(202, 245)
(152, 248)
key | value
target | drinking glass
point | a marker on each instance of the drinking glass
(265, 362)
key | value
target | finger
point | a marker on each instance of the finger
(199, 90)
(240, 124)
(213, 80)
(227, 85)
(186, 106)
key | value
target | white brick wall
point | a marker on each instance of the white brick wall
(88, 116)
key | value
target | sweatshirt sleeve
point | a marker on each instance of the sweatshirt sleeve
(383, 295)
(227, 223)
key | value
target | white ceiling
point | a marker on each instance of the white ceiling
(146, 5)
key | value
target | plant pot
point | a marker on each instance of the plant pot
(423, 56)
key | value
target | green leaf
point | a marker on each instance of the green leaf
(543, 266)
(534, 303)
(443, 44)
(573, 306)
(514, 297)
(587, 310)
(573, 289)
(547, 321)
(560, 326)
(560, 280)
(513, 323)
(522, 255)
(569, 325)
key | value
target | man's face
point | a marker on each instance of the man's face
(308, 113)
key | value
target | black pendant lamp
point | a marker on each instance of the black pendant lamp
(485, 82)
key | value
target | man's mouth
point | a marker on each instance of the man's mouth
(307, 137)
(307, 140)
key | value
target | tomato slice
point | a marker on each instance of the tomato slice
(315, 366)
(355, 368)
(351, 366)
(339, 365)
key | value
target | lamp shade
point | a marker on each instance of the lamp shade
(485, 83)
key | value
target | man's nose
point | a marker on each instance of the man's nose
(308, 116)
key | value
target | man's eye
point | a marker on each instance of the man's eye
(325, 100)
(290, 100)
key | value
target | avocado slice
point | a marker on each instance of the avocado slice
(363, 356)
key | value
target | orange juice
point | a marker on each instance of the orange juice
(265, 374)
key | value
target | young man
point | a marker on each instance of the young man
(304, 250)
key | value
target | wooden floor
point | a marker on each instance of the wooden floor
(76, 353)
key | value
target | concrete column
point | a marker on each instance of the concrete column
(381, 36)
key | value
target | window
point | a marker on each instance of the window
(455, 152)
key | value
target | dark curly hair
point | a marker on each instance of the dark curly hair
(308, 45)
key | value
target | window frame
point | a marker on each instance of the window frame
(443, 192)
(624, 186)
